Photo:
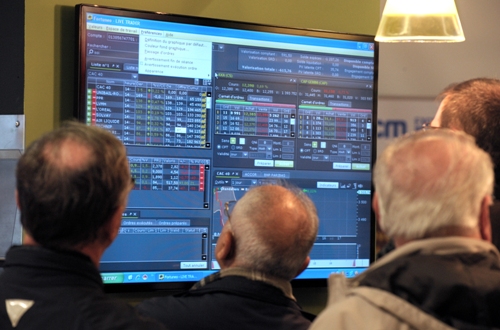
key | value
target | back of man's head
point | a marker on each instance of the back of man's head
(473, 106)
(70, 182)
(274, 228)
(429, 181)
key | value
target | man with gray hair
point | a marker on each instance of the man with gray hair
(264, 245)
(433, 190)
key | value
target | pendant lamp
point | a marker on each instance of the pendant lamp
(420, 21)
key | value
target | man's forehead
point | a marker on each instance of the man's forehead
(436, 122)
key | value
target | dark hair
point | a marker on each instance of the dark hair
(474, 107)
(64, 200)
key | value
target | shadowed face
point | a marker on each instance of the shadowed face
(436, 122)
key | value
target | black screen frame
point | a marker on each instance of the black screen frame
(80, 93)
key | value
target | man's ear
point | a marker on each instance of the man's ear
(16, 193)
(111, 229)
(375, 207)
(224, 250)
(484, 219)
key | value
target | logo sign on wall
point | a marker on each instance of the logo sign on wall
(398, 116)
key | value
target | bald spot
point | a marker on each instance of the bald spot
(434, 163)
(68, 154)
(279, 218)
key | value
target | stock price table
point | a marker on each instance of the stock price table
(255, 119)
(341, 125)
(146, 113)
(172, 174)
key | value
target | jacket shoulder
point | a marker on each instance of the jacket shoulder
(370, 308)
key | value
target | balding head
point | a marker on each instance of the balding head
(274, 228)
(70, 183)
(429, 181)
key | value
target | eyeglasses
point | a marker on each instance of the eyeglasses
(428, 126)
(228, 208)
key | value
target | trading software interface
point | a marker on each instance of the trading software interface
(205, 115)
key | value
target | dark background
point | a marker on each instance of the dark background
(12, 58)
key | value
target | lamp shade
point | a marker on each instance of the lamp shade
(420, 21)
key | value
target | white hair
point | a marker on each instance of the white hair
(430, 180)
(275, 227)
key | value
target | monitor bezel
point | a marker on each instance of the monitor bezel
(80, 102)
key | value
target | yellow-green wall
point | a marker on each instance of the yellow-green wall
(50, 50)
(50, 40)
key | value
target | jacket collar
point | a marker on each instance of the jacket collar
(439, 245)
(75, 266)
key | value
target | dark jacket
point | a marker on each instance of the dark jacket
(67, 292)
(495, 223)
(231, 302)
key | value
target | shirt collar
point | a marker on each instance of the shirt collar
(254, 275)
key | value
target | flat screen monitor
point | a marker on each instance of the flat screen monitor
(207, 109)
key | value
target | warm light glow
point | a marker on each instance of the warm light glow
(420, 21)
(420, 7)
